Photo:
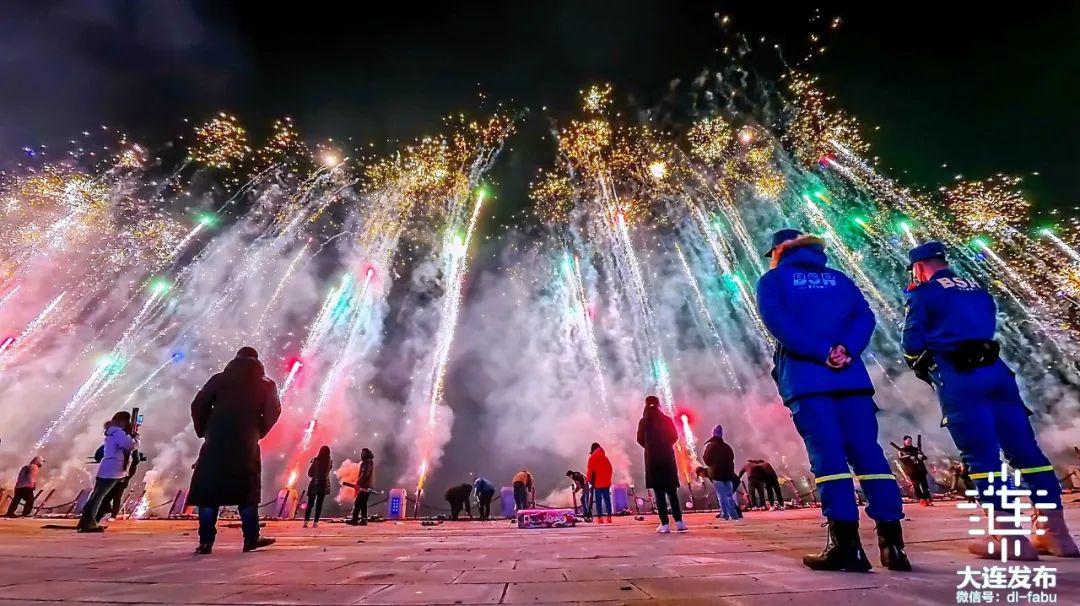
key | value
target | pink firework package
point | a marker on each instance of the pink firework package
(546, 518)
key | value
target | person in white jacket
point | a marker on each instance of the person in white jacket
(119, 444)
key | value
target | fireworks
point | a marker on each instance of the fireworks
(710, 139)
(597, 98)
(34, 324)
(706, 318)
(220, 143)
(349, 271)
(585, 143)
(284, 147)
(553, 197)
(764, 178)
(992, 206)
(456, 248)
(814, 129)
(572, 272)
(132, 158)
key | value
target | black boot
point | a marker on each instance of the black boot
(890, 540)
(843, 550)
(258, 543)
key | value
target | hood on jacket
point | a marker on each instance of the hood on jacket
(245, 366)
(718, 432)
(808, 250)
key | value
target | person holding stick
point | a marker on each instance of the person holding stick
(365, 483)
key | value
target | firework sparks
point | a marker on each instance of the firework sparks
(220, 143)
(706, 317)
(815, 129)
(572, 270)
(355, 328)
(992, 206)
(32, 326)
(553, 197)
(457, 249)
(1049, 233)
(280, 288)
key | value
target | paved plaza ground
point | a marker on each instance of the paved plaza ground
(753, 562)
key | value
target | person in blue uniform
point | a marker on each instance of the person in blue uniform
(822, 324)
(949, 342)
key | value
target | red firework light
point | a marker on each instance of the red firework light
(683, 414)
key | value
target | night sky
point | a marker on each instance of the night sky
(983, 91)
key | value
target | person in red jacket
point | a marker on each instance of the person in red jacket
(598, 471)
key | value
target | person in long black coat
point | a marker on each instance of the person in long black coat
(232, 412)
(319, 486)
(657, 435)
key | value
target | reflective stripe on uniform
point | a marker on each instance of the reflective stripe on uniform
(1037, 469)
(1025, 471)
(835, 476)
(876, 476)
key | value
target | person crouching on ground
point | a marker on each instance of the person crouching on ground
(113, 468)
(599, 472)
(25, 485)
(580, 484)
(720, 460)
(523, 487)
(234, 410)
(458, 498)
(485, 491)
(319, 486)
(772, 486)
(657, 435)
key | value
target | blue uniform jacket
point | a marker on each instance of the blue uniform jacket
(482, 486)
(946, 311)
(809, 308)
(942, 313)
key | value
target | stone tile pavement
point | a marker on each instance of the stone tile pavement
(753, 562)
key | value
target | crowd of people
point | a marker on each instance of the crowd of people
(822, 325)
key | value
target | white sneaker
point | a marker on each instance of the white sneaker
(681, 526)
(663, 529)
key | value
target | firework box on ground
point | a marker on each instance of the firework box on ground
(545, 518)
